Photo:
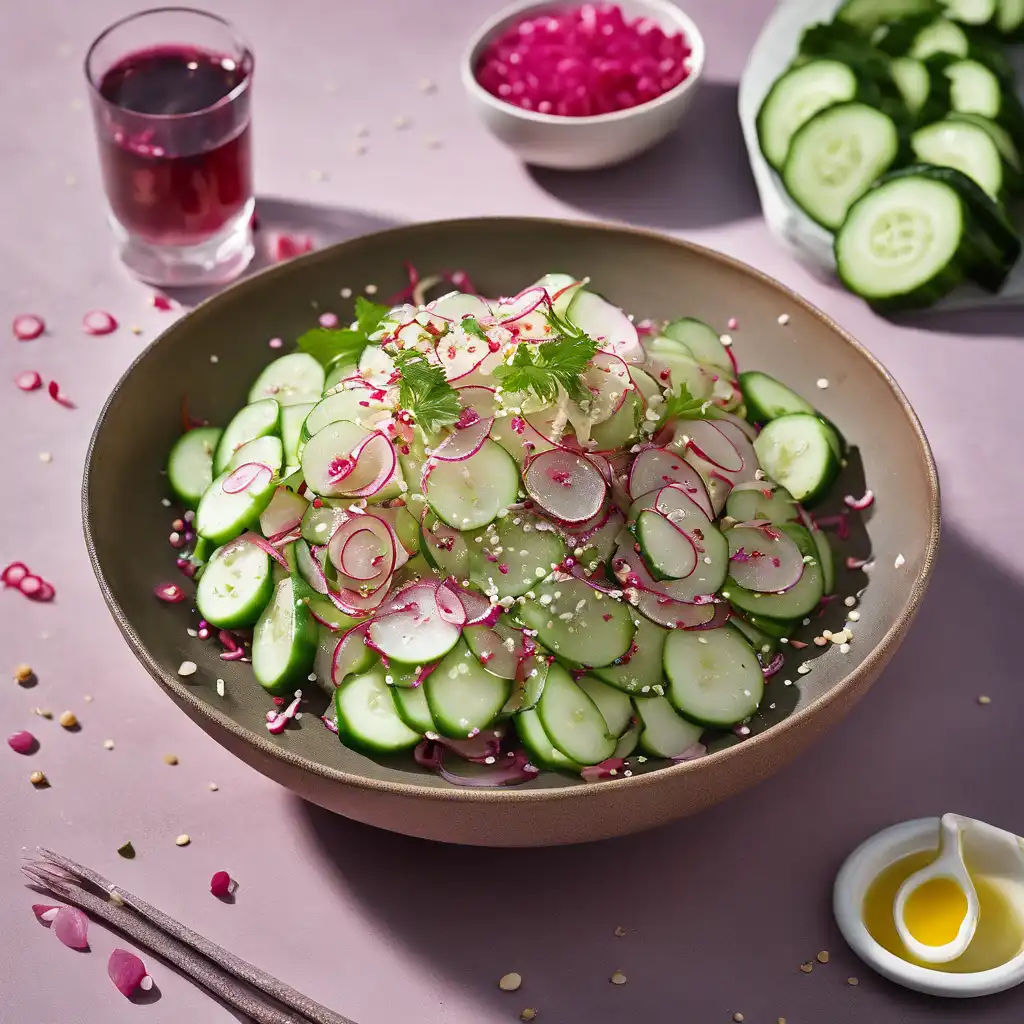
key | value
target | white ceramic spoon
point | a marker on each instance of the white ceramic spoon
(949, 864)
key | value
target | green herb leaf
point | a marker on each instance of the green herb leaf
(330, 345)
(369, 315)
(684, 407)
(471, 325)
(542, 368)
(424, 392)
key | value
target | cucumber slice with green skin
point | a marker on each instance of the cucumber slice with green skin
(606, 323)
(292, 418)
(572, 720)
(670, 553)
(221, 517)
(869, 14)
(972, 12)
(353, 405)
(318, 524)
(664, 733)
(324, 659)
(800, 600)
(977, 89)
(643, 670)
(236, 586)
(367, 718)
(278, 571)
(768, 399)
(445, 548)
(761, 500)
(285, 639)
(561, 289)
(505, 557)
(190, 464)
(715, 679)
(904, 244)
(496, 647)
(999, 135)
(202, 550)
(628, 740)
(337, 373)
(260, 419)
(623, 428)
(779, 629)
(330, 616)
(760, 642)
(413, 709)
(291, 380)
(528, 686)
(543, 753)
(925, 37)
(912, 79)
(266, 450)
(796, 451)
(795, 98)
(596, 629)
(701, 340)
(416, 635)
(835, 157)
(469, 494)
(966, 147)
(826, 559)
(463, 696)
(1009, 16)
(667, 354)
(615, 707)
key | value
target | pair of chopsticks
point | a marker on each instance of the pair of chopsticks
(239, 984)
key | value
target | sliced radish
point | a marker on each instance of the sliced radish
(764, 559)
(479, 611)
(607, 379)
(364, 550)
(606, 324)
(668, 549)
(739, 439)
(526, 315)
(461, 354)
(450, 606)
(376, 463)
(710, 443)
(283, 514)
(28, 327)
(464, 441)
(58, 396)
(246, 476)
(417, 633)
(29, 381)
(739, 422)
(310, 567)
(353, 603)
(602, 540)
(653, 468)
(31, 585)
(676, 504)
(499, 648)
(329, 458)
(97, 321)
(251, 537)
(349, 653)
(566, 485)
(13, 574)
(673, 614)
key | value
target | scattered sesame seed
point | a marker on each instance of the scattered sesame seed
(183, 840)
(807, 967)
(370, 289)
(187, 668)
(108, 744)
(214, 359)
(738, 1017)
(191, 632)
(346, 293)
(618, 978)
(318, 175)
(212, 787)
(852, 981)
(38, 779)
(844, 648)
(126, 850)
(984, 700)
(401, 122)
(619, 931)
(42, 712)
(510, 982)
(170, 758)
(853, 616)
(68, 719)
(822, 957)
(87, 699)
(528, 1014)
(23, 673)
(804, 669)
(850, 601)
(166, 502)
(725, 339)
(115, 898)
(220, 688)
(427, 85)
(136, 329)
(783, 319)
(822, 383)
(900, 560)
(820, 641)
(45, 457)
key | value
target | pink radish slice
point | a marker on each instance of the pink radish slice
(449, 605)
(482, 400)
(737, 421)
(491, 651)
(310, 568)
(479, 611)
(519, 437)
(673, 614)
(283, 514)
(764, 559)
(607, 379)
(375, 463)
(29, 381)
(14, 574)
(680, 508)
(71, 926)
(348, 653)
(97, 321)
(28, 327)
(248, 474)
(363, 555)
(53, 388)
(416, 634)
(251, 537)
(30, 585)
(710, 443)
(353, 603)
(364, 549)
(484, 745)
(566, 485)
(463, 442)
(742, 443)
(526, 314)
(653, 468)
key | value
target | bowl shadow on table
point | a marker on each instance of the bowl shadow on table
(720, 909)
(699, 177)
(1006, 321)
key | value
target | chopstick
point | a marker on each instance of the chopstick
(219, 971)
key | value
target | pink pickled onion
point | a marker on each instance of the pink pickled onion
(775, 665)
(71, 926)
(127, 972)
(169, 592)
(13, 574)
(46, 912)
(859, 504)
(609, 769)
(249, 537)
(58, 396)
(29, 381)
(509, 769)
(28, 327)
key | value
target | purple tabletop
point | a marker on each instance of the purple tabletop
(718, 911)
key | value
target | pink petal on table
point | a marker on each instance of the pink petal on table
(71, 926)
(127, 972)
(46, 912)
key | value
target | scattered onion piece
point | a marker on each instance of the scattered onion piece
(691, 753)
(46, 912)
(509, 769)
(71, 926)
(775, 665)
(58, 396)
(29, 381)
(220, 884)
(169, 592)
(13, 574)
(608, 769)
(859, 504)
(28, 327)
(128, 973)
(22, 742)
(98, 321)
(161, 302)
(251, 537)
(285, 247)
(857, 563)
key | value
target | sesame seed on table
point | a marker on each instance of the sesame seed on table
(360, 122)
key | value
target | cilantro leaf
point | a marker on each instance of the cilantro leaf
(330, 345)
(684, 407)
(369, 315)
(543, 367)
(471, 325)
(424, 392)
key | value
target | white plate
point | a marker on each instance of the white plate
(812, 244)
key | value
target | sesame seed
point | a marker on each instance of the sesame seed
(738, 1017)
(900, 561)
(183, 840)
(725, 339)
(853, 616)
(783, 319)
(68, 719)
(820, 641)
(844, 648)
(212, 787)
(370, 289)
(850, 601)
(807, 967)
(45, 457)
(804, 669)
(166, 502)
(822, 382)
(510, 982)
(346, 293)
(823, 957)
(984, 700)
(619, 931)
(528, 1014)
(852, 981)
(87, 699)
(618, 978)
(187, 668)
(108, 744)
(170, 759)
(38, 779)
(42, 712)
(23, 673)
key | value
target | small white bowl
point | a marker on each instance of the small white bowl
(861, 868)
(584, 143)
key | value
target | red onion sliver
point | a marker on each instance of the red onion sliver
(250, 537)
(245, 476)
(126, 971)
(29, 381)
(28, 327)
(857, 563)
(609, 769)
(169, 592)
(45, 911)
(58, 396)
(508, 769)
(220, 884)
(71, 926)
(161, 302)
(98, 321)
(450, 606)
(859, 504)
(22, 742)
(775, 665)
(691, 753)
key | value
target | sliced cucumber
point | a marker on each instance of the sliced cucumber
(869, 14)
(826, 559)
(1000, 136)
(715, 678)
(572, 720)
(413, 709)
(702, 341)
(445, 549)
(290, 380)
(367, 718)
(463, 696)
(469, 494)
(236, 586)
(623, 428)
(577, 622)
(336, 374)
(779, 629)
(190, 464)
(528, 686)
(666, 355)
(266, 450)
(668, 551)
(329, 615)
(966, 147)
(977, 89)
(664, 733)
(795, 98)
(561, 289)
(768, 399)
(415, 636)
(334, 444)
(912, 78)
(284, 642)
(351, 405)
(506, 557)
(761, 500)
(1010, 16)
(543, 753)
(606, 323)
(904, 243)
(292, 418)
(929, 38)
(221, 517)
(797, 451)
(643, 669)
(318, 524)
(836, 156)
(615, 707)
(763, 644)
(971, 12)
(261, 419)
(800, 600)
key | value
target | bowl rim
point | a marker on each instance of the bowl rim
(516, 10)
(188, 696)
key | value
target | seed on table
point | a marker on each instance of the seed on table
(42, 712)
(807, 967)
(126, 850)
(68, 719)
(183, 840)
(528, 1014)
(984, 700)
(510, 982)
(45, 457)
(852, 981)
(823, 957)
(108, 744)
(738, 1017)
(619, 931)
(212, 787)
(23, 673)
(170, 759)
(618, 978)
(38, 779)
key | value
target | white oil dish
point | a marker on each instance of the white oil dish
(865, 896)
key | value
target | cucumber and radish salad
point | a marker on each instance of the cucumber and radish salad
(899, 128)
(526, 533)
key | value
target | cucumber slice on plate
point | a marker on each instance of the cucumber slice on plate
(469, 494)
(761, 500)
(869, 14)
(291, 380)
(572, 720)
(797, 451)
(826, 559)
(795, 98)
(768, 399)
(615, 707)
(543, 753)
(221, 517)
(999, 135)
(444, 548)
(669, 552)
(561, 289)
(413, 709)
(834, 158)
(292, 418)
(1010, 16)
(715, 679)
(190, 464)
(763, 644)
(463, 696)
(367, 718)
(577, 622)
(966, 147)
(338, 372)
(505, 557)
(236, 586)
(977, 89)
(663, 732)
(701, 340)
(318, 524)
(266, 450)
(260, 419)
(971, 12)
(643, 669)
(284, 642)
(606, 323)
(350, 405)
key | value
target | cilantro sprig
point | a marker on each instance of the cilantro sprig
(331, 345)
(684, 406)
(424, 392)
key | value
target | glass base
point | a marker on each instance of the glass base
(221, 258)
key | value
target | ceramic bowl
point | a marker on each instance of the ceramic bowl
(584, 143)
(126, 525)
